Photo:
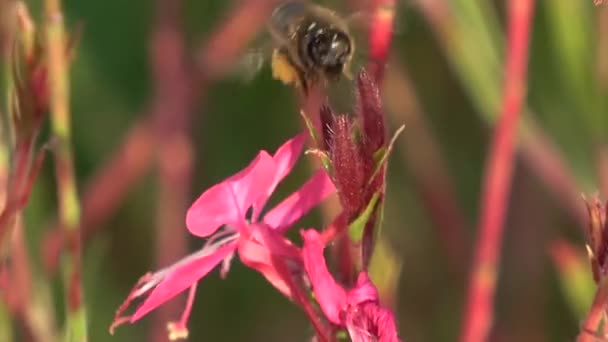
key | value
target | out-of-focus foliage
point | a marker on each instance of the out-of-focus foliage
(455, 64)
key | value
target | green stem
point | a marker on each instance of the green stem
(69, 205)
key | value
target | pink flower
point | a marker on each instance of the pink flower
(357, 309)
(220, 214)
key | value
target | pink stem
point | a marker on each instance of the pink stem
(189, 302)
(538, 151)
(174, 87)
(480, 304)
(380, 36)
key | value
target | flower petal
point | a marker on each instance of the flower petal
(182, 278)
(330, 295)
(257, 255)
(363, 291)
(370, 322)
(228, 201)
(313, 192)
(285, 158)
(274, 241)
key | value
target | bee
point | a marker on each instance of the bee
(311, 44)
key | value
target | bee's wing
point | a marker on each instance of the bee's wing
(251, 62)
(249, 65)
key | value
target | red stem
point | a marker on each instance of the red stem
(595, 316)
(174, 87)
(480, 304)
(380, 36)
(299, 296)
(538, 151)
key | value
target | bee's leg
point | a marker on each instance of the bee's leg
(303, 83)
(301, 75)
(347, 71)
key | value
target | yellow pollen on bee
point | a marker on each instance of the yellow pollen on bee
(283, 70)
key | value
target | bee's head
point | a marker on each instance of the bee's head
(330, 50)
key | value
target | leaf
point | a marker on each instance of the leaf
(382, 154)
(324, 157)
(356, 228)
(311, 128)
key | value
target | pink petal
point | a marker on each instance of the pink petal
(257, 256)
(285, 158)
(330, 295)
(274, 242)
(182, 278)
(228, 201)
(363, 291)
(370, 322)
(313, 192)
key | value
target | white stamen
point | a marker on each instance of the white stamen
(214, 243)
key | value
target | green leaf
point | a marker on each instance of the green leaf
(382, 154)
(325, 160)
(311, 128)
(356, 228)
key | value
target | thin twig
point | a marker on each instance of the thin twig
(597, 314)
(69, 207)
(171, 114)
(480, 300)
(380, 36)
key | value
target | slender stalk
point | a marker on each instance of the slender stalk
(596, 315)
(69, 207)
(6, 321)
(480, 303)
(174, 93)
(538, 150)
(6, 324)
(380, 36)
(322, 331)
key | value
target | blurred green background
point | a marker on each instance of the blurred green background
(443, 83)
